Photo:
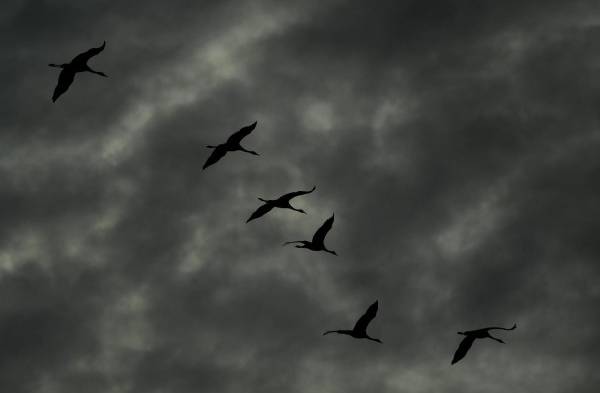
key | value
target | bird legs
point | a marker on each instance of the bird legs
(248, 151)
(98, 73)
(303, 243)
(296, 210)
(496, 339)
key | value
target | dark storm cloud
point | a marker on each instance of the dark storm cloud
(455, 142)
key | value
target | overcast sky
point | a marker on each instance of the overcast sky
(457, 143)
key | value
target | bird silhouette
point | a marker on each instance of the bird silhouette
(360, 328)
(78, 64)
(232, 144)
(318, 240)
(283, 202)
(471, 335)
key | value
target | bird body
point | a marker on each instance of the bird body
(471, 336)
(283, 202)
(232, 144)
(360, 328)
(318, 241)
(78, 64)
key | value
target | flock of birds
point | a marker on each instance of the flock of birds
(233, 143)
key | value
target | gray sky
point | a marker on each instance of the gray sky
(456, 142)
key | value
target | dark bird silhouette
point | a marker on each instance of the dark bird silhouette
(78, 64)
(283, 202)
(318, 240)
(360, 328)
(232, 144)
(471, 335)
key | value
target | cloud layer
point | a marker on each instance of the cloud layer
(456, 143)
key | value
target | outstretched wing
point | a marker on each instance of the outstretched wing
(363, 321)
(291, 195)
(261, 211)
(85, 56)
(218, 153)
(319, 236)
(239, 135)
(463, 348)
(64, 81)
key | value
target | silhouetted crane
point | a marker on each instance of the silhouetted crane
(318, 240)
(232, 144)
(360, 328)
(78, 64)
(283, 202)
(471, 335)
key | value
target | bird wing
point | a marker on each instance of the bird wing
(239, 135)
(85, 56)
(319, 236)
(218, 153)
(294, 194)
(65, 78)
(366, 318)
(261, 211)
(463, 348)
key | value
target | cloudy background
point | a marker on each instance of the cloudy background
(457, 143)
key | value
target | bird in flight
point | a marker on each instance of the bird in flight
(232, 144)
(78, 64)
(283, 202)
(318, 240)
(471, 335)
(360, 328)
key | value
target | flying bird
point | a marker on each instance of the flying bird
(232, 144)
(471, 335)
(78, 64)
(283, 202)
(318, 240)
(360, 328)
